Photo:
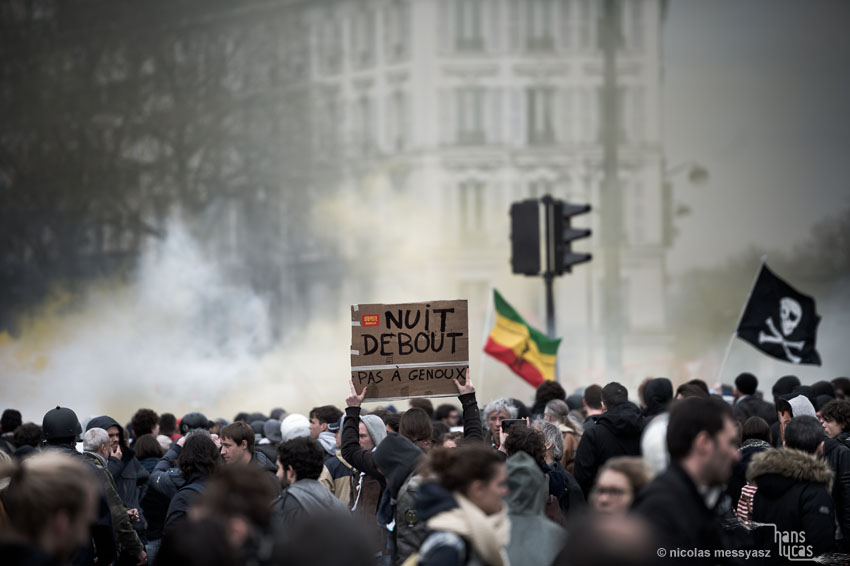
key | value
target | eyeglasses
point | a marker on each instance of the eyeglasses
(612, 491)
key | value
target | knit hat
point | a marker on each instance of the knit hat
(376, 427)
(272, 430)
(293, 426)
(746, 383)
(335, 427)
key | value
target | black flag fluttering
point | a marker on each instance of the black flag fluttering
(780, 321)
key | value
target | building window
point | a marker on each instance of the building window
(586, 24)
(470, 115)
(468, 25)
(397, 115)
(362, 39)
(397, 30)
(539, 114)
(330, 46)
(364, 132)
(632, 24)
(472, 207)
(539, 20)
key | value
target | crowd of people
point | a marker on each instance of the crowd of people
(680, 475)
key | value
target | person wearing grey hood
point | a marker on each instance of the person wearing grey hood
(535, 539)
(299, 463)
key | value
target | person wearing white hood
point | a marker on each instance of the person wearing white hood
(790, 406)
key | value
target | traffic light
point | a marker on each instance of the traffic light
(564, 234)
(525, 237)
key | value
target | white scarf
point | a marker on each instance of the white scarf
(488, 534)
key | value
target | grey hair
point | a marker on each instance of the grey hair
(552, 436)
(94, 439)
(499, 405)
(558, 410)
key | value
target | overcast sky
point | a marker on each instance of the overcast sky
(757, 91)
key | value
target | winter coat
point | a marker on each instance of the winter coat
(126, 537)
(351, 451)
(673, 505)
(304, 500)
(617, 433)
(260, 459)
(165, 480)
(738, 479)
(751, 406)
(572, 438)
(459, 533)
(183, 499)
(793, 494)
(367, 481)
(336, 477)
(398, 458)
(131, 477)
(565, 488)
(23, 554)
(837, 455)
(535, 539)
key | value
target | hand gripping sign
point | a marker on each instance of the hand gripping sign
(409, 349)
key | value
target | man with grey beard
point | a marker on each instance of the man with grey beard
(97, 448)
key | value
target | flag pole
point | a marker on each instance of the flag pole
(740, 317)
(485, 333)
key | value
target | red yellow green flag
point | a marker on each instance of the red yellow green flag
(527, 351)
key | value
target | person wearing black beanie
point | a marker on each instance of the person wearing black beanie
(747, 403)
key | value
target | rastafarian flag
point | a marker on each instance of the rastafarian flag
(527, 351)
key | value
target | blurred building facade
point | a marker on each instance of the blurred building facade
(471, 104)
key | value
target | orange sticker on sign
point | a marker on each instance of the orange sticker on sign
(370, 320)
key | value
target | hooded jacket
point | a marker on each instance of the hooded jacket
(657, 394)
(837, 455)
(535, 540)
(304, 500)
(459, 533)
(367, 481)
(336, 477)
(397, 457)
(131, 478)
(125, 536)
(793, 494)
(616, 433)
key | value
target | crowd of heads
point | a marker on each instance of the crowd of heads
(261, 489)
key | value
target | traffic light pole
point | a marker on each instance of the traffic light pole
(548, 275)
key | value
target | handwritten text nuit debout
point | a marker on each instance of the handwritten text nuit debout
(405, 343)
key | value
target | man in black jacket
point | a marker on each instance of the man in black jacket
(61, 429)
(617, 433)
(686, 503)
(747, 404)
(793, 495)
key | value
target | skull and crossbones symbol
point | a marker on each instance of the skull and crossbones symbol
(790, 314)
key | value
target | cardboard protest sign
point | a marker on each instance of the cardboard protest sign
(409, 349)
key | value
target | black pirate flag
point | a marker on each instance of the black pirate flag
(780, 321)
